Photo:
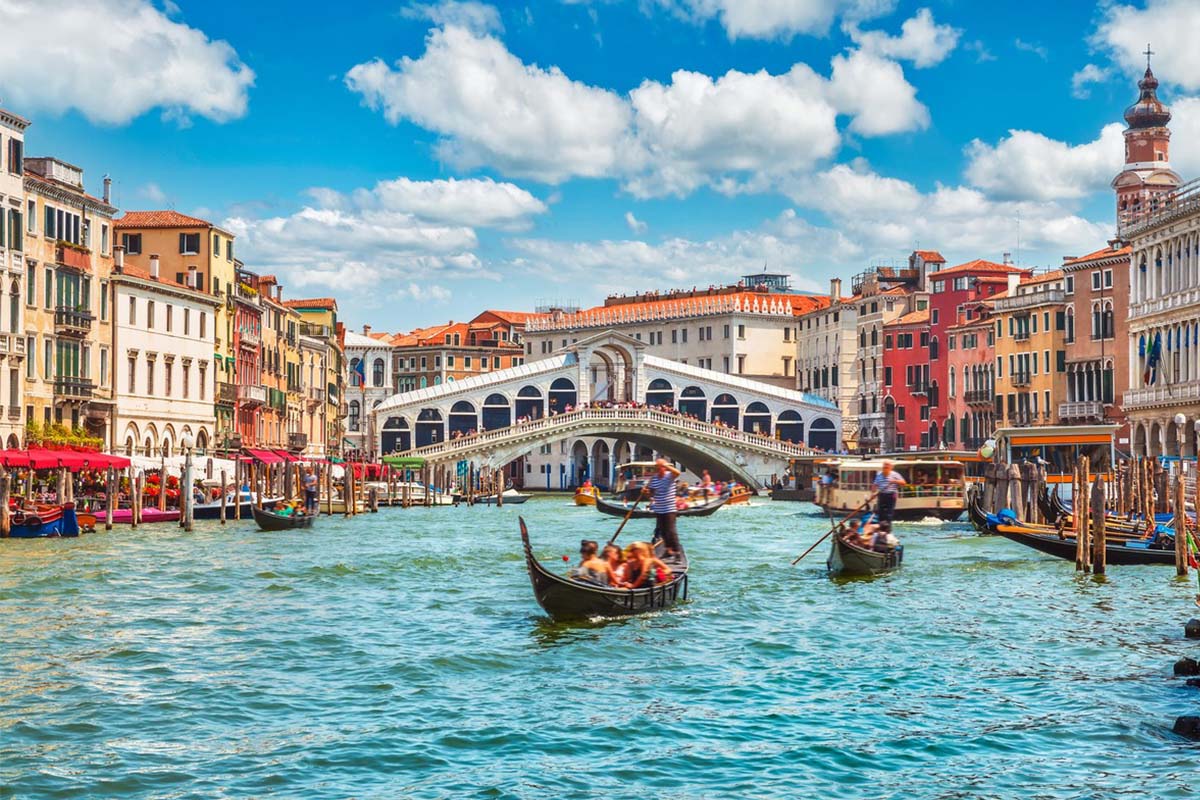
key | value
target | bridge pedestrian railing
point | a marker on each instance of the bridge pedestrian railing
(650, 419)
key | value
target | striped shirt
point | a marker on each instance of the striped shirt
(663, 491)
(889, 484)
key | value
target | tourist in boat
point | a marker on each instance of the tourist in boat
(706, 483)
(310, 491)
(887, 486)
(592, 569)
(642, 569)
(681, 495)
(616, 563)
(661, 487)
(883, 541)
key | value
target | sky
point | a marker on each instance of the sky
(423, 161)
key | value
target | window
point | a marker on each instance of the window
(961, 284)
(1096, 279)
(1108, 278)
(203, 324)
(30, 284)
(168, 368)
(674, 336)
(186, 374)
(466, 362)
(683, 335)
(229, 249)
(933, 316)
(31, 356)
(939, 286)
(149, 376)
(48, 294)
(133, 311)
(216, 245)
(726, 334)
(741, 335)
(48, 358)
(133, 243)
(31, 216)
(104, 238)
(495, 362)
(203, 374)
(169, 310)
(900, 413)
(377, 372)
(150, 315)
(187, 322)
(725, 359)
(1070, 289)
(887, 376)
(189, 244)
(103, 366)
(437, 362)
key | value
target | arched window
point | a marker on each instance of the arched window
(1106, 321)
(377, 372)
(355, 366)
(353, 418)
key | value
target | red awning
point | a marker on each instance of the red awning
(14, 458)
(264, 456)
(285, 455)
(45, 458)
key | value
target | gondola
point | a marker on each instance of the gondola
(565, 599)
(975, 510)
(619, 510)
(849, 560)
(270, 521)
(1121, 552)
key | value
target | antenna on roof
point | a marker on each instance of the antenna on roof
(1018, 238)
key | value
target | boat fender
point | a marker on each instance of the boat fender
(1187, 666)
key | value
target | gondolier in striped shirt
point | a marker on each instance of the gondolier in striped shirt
(887, 487)
(661, 488)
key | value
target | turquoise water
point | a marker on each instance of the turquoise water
(402, 655)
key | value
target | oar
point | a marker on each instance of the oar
(865, 504)
(628, 514)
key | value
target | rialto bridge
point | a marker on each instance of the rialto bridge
(701, 418)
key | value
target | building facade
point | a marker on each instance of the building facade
(162, 361)
(971, 377)
(14, 220)
(369, 381)
(826, 350)
(67, 327)
(907, 393)
(322, 375)
(1029, 324)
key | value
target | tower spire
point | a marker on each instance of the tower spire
(1148, 53)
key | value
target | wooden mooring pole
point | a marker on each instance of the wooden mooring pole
(1099, 537)
(1181, 564)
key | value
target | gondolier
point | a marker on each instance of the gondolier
(661, 488)
(310, 491)
(887, 486)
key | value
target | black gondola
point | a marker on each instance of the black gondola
(1122, 552)
(619, 510)
(563, 598)
(975, 511)
(850, 560)
(270, 521)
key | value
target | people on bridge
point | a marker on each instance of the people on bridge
(661, 487)
(887, 487)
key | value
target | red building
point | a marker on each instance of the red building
(906, 384)
(949, 289)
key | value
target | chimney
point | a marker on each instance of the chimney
(107, 189)
(153, 267)
(193, 277)
(366, 330)
(835, 289)
(118, 258)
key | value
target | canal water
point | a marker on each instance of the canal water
(402, 655)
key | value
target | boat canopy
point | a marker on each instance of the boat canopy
(404, 462)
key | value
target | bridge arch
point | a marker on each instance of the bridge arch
(757, 418)
(790, 426)
(601, 462)
(431, 428)
(463, 418)
(660, 392)
(822, 434)
(725, 409)
(692, 401)
(396, 436)
(530, 403)
(562, 394)
(579, 463)
(497, 412)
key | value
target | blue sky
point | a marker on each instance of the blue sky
(421, 161)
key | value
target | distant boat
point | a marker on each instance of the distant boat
(511, 496)
(270, 521)
(846, 559)
(43, 521)
(586, 495)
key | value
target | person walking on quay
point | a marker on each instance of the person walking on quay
(887, 486)
(661, 488)
(310, 491)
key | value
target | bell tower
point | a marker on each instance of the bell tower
(1147, 174)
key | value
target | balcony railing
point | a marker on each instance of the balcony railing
(979, 397)
(1030, 299)
(1081, 410)
(18, 346)
(1169, 395)
(249, 339)
(316, 331)
(252, 395)
(226, 393)
(14, 413)
(73, 388)
(919, 387)
(316, 395)
(1021, 336)
(1019, 379)
(297, 441)
(74, 257)
(73, 322)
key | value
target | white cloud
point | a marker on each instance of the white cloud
(113, 60)
(154, 193)
(1029, 165)
(422, 293)
(777, 19)
(479, 202)
(921, 41)
(740, 127)
(1171, 26)
(1185, 139)
(736, 132)
(636, 226)
(492, 109)
(1082, 80)
(981, 51)
(1037, 48)
(875, 93)
(471, 15)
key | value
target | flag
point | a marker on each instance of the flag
(360, 369)
(1153, 354)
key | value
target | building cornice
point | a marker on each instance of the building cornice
(158, 287)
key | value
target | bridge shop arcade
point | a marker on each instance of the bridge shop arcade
(754, 427)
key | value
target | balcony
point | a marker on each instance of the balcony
(74, 257)
(249, 340)
(14, 413)
(1019, 379)
(226, 394)
(1030, 299)
(979, 397)
(1173, 394)
(252, 395)
(73, 322)
(1082, 411)
(297, 441)
(919, 387)
(73, 388)
(316, 395)
(19, 346)
(1021, 336)
(315, 331)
